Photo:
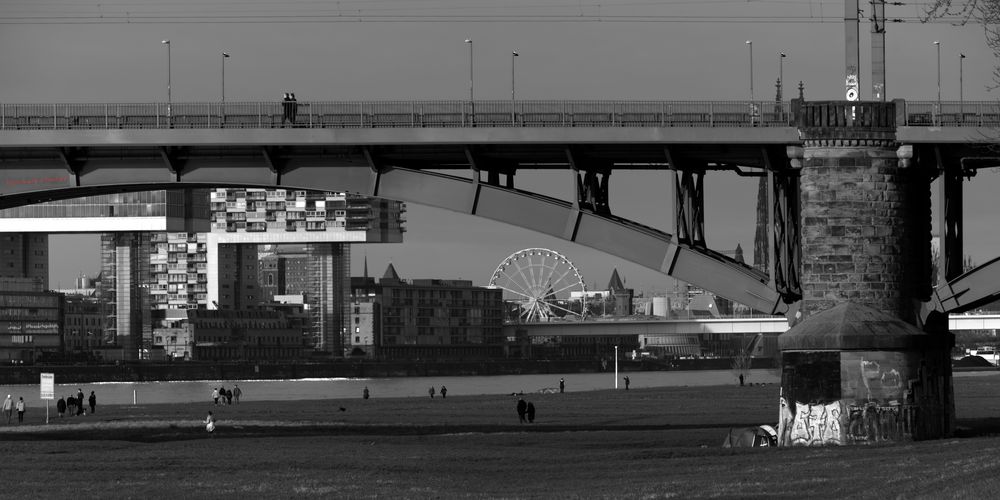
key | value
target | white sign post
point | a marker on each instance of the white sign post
(48, 391)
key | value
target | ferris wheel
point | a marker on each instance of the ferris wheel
(541, 281)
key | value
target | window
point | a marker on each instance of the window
(357, 320)
(357, 340)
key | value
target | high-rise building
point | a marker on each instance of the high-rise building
(126, 291)
(24, 255)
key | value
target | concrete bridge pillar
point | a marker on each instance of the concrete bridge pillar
(857, 367)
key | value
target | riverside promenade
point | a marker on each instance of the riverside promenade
(641, 443)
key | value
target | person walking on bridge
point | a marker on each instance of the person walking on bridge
(286, 108)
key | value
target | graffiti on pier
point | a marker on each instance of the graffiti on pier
(874, 423)
(879, 383)
(810, 425)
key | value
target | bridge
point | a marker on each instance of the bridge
(400, 149)
(848, 188)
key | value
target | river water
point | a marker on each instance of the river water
(396, 387)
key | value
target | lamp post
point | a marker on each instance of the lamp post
(472, 83)
(225, 55)
(781, 75)
(169, 100)
(961, 88)
(750, 45)
(513, 57)
(937, 44)
(616, 367)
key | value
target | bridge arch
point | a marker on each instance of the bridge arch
(643, 245)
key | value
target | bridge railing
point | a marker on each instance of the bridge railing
(953, 113)
(399, 114)
(846, 114)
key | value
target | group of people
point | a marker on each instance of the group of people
(525, 411)
(444, 391)
(289, 108)
(226, 396)
(75, 405)
(9, 406)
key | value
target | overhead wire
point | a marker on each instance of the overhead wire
(406, 11)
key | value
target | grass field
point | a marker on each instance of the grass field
(649, 443)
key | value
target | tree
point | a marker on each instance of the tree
(742, 362)
(985, 12)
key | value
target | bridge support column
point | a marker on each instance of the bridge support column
(856, 366)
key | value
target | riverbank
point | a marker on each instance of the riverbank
(646, 443)
(338, 368)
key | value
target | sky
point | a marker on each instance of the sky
(111, 51)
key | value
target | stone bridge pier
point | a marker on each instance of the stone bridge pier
(858, 367)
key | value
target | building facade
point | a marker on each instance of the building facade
(245, 335)
(439, 319)
(83, 331)
(365, 319)
(31, 326)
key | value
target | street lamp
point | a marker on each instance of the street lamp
(513, 57)
(937, 44)
(616, 367)
(472, 83)
(961, 88)
(169, 100)
(225, 55)
(750, 44)
(781, 75)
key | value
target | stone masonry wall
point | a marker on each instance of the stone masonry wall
(854, 229)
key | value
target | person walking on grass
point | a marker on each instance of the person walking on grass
(8, 407)
(431, 392)
(444, 392)
(79, 401)
(215, 395)
(522, 409)
(627, 382)
(562, 386)
(93, 402)
(365, 394)
(531, 412)
(20, 411)
(61, 407)
(237, 392)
